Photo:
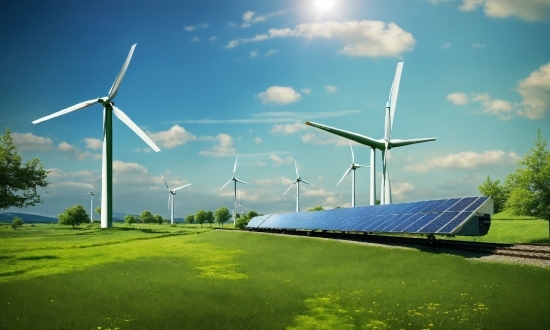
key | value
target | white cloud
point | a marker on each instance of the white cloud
(287, 129)
(222, 149)
(253, 53)
(194, 27)
(447, 45)
(173, 137)
(476, 45)
(196, 39)
(279, 95)
(258, 140)
(399, 189)
(458, 98)
(250, 18)
(29, 141)
(500, 108)
(529, 10)
(325, 138)
(271, 52)
(280, 161)
(535, 91)
(465, 160)
(331, 88)
(93, 143)
(360, 38)
(213, 38)
(306, 91)
(73, 152)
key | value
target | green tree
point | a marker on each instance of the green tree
(147, 217)
(316, 208)
(529, 186)
(18, 182)
(130, 219)
(242, 222)
(222, 215)
(200, 217)
(98, 210)
(251, 214)
(17, 222)
(190, 218)
(498, 192)
(158, 219)
(210, 217)
(73, 216)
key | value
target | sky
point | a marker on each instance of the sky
(210, 80)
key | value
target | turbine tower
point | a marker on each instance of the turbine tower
(235, 180)
(384, 144)
(353, 167)
(107, 161)
(92, 195)
(171, 193)
(297, 182)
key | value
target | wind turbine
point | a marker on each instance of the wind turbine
(235, 180)
(353, 167)
(92, 195)
(171, 193)
(384, 144)
(107, 162)
(297, 182)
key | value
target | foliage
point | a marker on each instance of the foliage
(17, 222)
(251, 214)
(210, 218)
(97, 210)
(316, 208)
(158, 219)
(200, 217)
(130, 219)
(190, 218)
(73, 216)
(242, 222)
(222, 215)
(494, 189)
(147, 217)
(18, 183)
(530, 185)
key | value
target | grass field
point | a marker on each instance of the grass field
(187, 277)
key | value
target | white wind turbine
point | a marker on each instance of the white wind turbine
(297, 182)
(92, 195)
(235, 180)
(107, 162)
(171, 193)
(384, 144)
(353, 167)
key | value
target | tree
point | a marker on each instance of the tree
(158, 219)
(147, 217)
(130, 219)
(200, 217)
(17, 222)
(494, 189)
(73, 216)
(210, 217)
(529, 186)
(18, 183)
(222, 215)
(316, 208)
(98, 210)
(251, 214)
(190, 218)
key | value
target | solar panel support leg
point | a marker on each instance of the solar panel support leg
(431, 240)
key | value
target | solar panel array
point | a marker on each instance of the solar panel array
(444, 216)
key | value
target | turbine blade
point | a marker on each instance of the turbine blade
(394, 91)
(97, 197)
(114, 89)
(240, 181)
(400, 143)
(296, 166)
(235, 166)
(67, 110)
(352, 155)
(125, 119)
(304, 181)
(178, 188)
(362, 139)
(290, 187)
(226, 184)
(94, 184)
(165, 182)
(345, 174)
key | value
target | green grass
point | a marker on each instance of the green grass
(184, 277)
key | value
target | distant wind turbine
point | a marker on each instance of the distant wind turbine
(171, 194)
(353, 167)
(235, 180)
(384, 144)
(92, 195)
(107, 162)
(297, 182)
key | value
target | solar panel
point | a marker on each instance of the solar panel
(444, 216)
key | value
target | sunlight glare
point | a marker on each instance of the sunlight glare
(324, 5)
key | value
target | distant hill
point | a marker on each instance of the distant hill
(27, 218)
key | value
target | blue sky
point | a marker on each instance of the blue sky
(212, 79)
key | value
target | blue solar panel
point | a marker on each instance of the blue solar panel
(443, 216)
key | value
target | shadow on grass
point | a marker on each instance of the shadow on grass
(540, 241)
(15, 272)
(39, 258)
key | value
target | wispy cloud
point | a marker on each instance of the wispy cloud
(222, 149)
(173, 137)
(277, 160)
(194, 27)
(29, 141)
(286, 129)
(535, 91)
(250, 18)
(465, 160)
(279, 95)
(331, 89)
(529, 10)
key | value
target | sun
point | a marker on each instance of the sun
(324, 5)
